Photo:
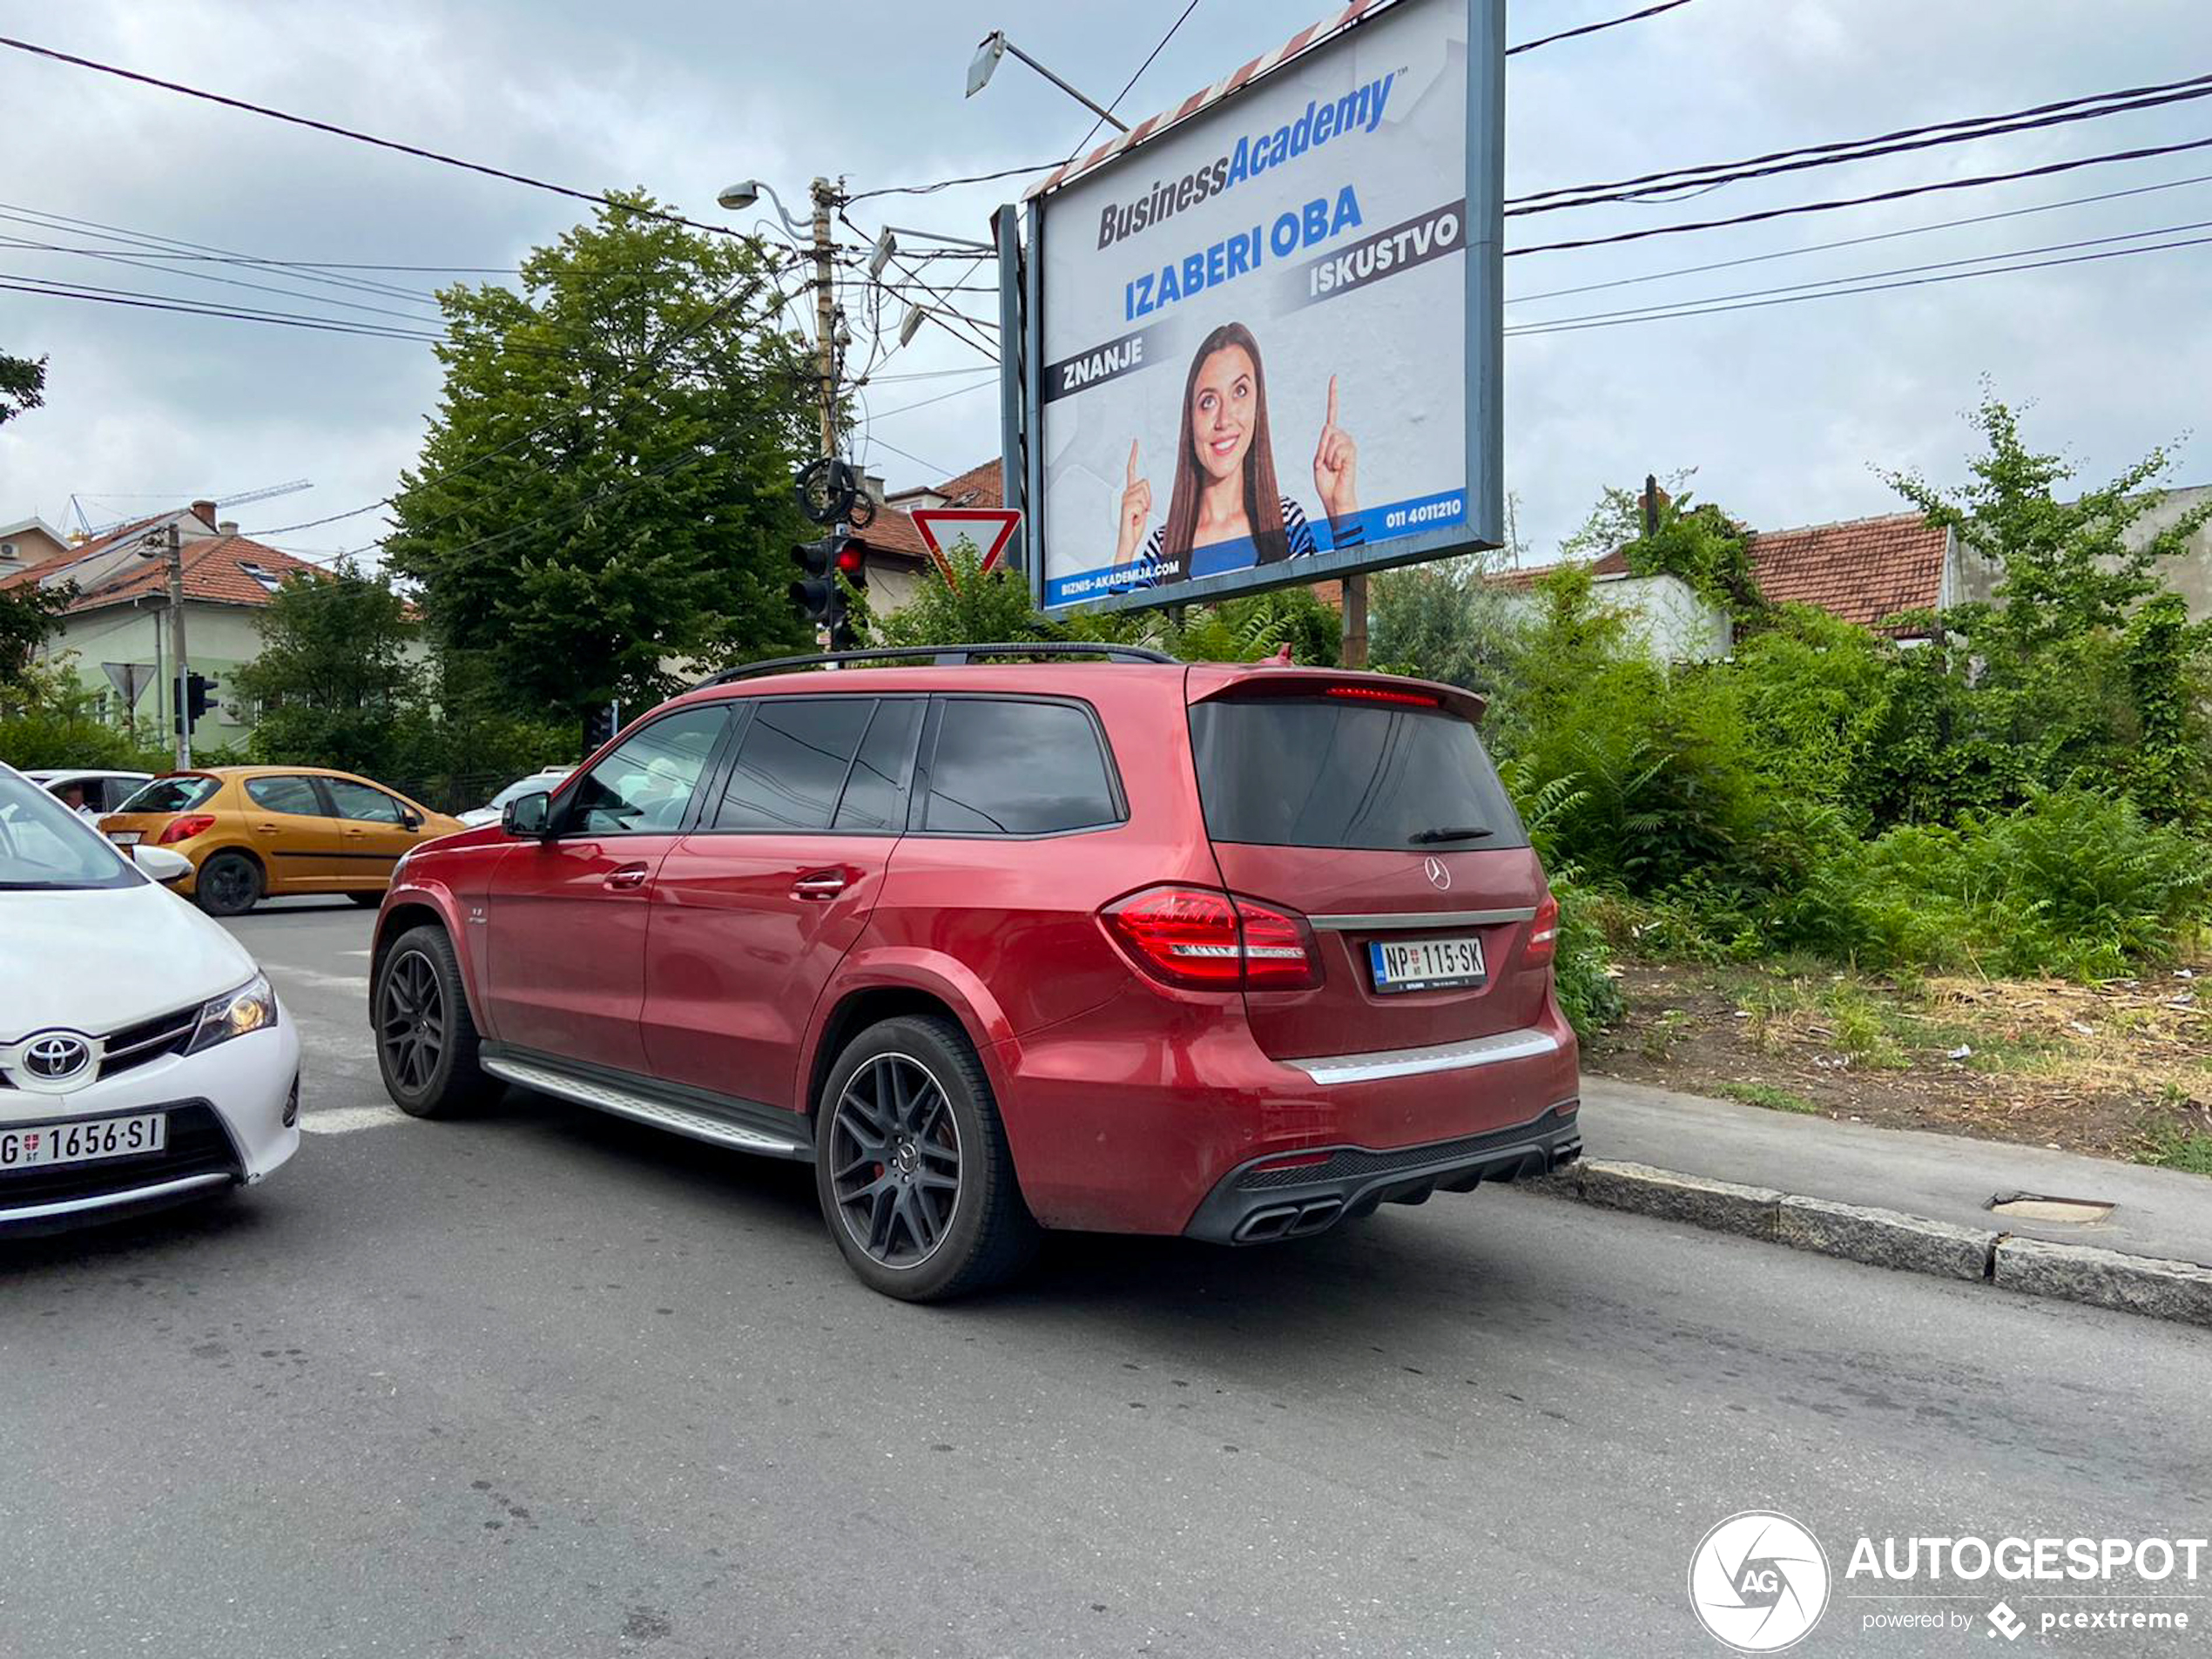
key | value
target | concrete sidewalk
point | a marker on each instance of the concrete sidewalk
(1899, 1197)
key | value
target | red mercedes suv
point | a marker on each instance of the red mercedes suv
(1117, 942)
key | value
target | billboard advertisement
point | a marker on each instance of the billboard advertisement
(1255, 343)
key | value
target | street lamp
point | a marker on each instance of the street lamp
(995, 46)
(736, 198)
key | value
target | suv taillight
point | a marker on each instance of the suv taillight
(1213, 940)
(1543, 934)
(183, 829)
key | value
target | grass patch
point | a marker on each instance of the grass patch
(2172, 1147)
(1774, 1097)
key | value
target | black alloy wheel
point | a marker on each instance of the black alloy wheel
(229, 884)
(411, 1020)
(895, 1161)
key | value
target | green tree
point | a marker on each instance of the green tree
(22, 386)
(605, 492)
(1444, 621)
(27, 613)
(333, 676)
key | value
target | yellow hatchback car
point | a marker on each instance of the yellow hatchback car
(255, 833)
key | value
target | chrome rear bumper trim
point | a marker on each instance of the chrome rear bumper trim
(1414, 1063)
(622, 1102)
(1402, 920)
(113, 1200)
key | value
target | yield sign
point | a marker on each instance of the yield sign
(989, 527)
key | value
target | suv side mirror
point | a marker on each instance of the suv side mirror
(529, 816)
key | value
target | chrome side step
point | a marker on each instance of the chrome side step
(644, 1108)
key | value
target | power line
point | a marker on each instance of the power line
(924, 403)
(1100, 121)
(149, 262)
(1570, 325)
(417, 151)
(1861, 201)
(129, 298)
(946, 184)
(1853, 242)
(1593, 28)
(1869, 150)
(1853, 144)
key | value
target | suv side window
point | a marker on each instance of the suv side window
(1008, 767)
(882, 780)
(362, 804)
(643, 785)
(294, 795)
(791, 762)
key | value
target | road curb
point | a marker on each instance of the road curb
(1890, 1239)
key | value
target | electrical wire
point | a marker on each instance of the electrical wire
(946, 184)
(134, 300)
(416, 151)
(148, 262)
(1853, 242)
(1593, 28)
(1832, 205)
(2200, 87)
(924, 403)
(1688, 174)
(1573, 325)
(1159, 47)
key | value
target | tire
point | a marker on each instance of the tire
(229, 884)
(366, 900)
(913, 1088)
(426, 1042)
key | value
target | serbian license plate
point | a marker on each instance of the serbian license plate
(107, 1137)
(124, 838)
(1426, 964)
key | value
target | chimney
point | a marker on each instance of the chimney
(205, 512)
(229, 527)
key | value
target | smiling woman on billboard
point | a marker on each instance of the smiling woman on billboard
(1225, 511)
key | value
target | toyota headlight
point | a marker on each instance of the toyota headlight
(253, 1007)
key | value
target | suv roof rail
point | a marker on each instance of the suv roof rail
(940, 656)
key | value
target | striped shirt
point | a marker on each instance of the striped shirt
(1152, 567)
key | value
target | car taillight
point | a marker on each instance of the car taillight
(1543, 932)
(1212, 940)
(183, 829)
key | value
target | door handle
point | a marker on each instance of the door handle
(629, 876)
(823, 885)
(265, 829)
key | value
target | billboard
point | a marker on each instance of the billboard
(1264, 335)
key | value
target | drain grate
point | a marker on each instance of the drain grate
(2037, 1206)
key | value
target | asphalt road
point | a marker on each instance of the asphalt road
(546, 1383)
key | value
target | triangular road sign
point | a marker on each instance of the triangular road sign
(991, 528)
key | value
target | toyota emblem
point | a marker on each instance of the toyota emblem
(56, 1056)
(1439, 877)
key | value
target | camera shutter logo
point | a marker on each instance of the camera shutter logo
(56, 1056)
(1758, 1581)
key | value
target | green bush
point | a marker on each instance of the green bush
(2075, 883)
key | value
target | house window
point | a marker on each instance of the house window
(269, 579)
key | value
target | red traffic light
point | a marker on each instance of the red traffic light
(850, 561)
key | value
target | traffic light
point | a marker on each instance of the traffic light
(600, 725)
(818, 592)
(200, 697)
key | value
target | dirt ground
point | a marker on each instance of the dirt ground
(2120, 1070)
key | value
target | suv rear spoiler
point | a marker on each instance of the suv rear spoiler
(1210, 681)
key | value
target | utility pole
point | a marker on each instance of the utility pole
(173, 551)
(826, 313)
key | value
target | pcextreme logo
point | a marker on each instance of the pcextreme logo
(1758, 1581)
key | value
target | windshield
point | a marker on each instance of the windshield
(178, 794)
(1292, 773)
(44, 847)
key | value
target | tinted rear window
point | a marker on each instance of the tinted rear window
(173, 794)
(1294, 772)
(1010, 768)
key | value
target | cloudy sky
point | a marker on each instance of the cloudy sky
(1785, 411)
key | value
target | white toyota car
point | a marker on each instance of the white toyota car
(143, 1060)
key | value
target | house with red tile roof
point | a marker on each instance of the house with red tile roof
(893, 547)
(116, 622)
(1869, 571)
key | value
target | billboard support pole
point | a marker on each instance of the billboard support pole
(1032, 372)
(1486, 258)
(1354, 650)
(1015, 423)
